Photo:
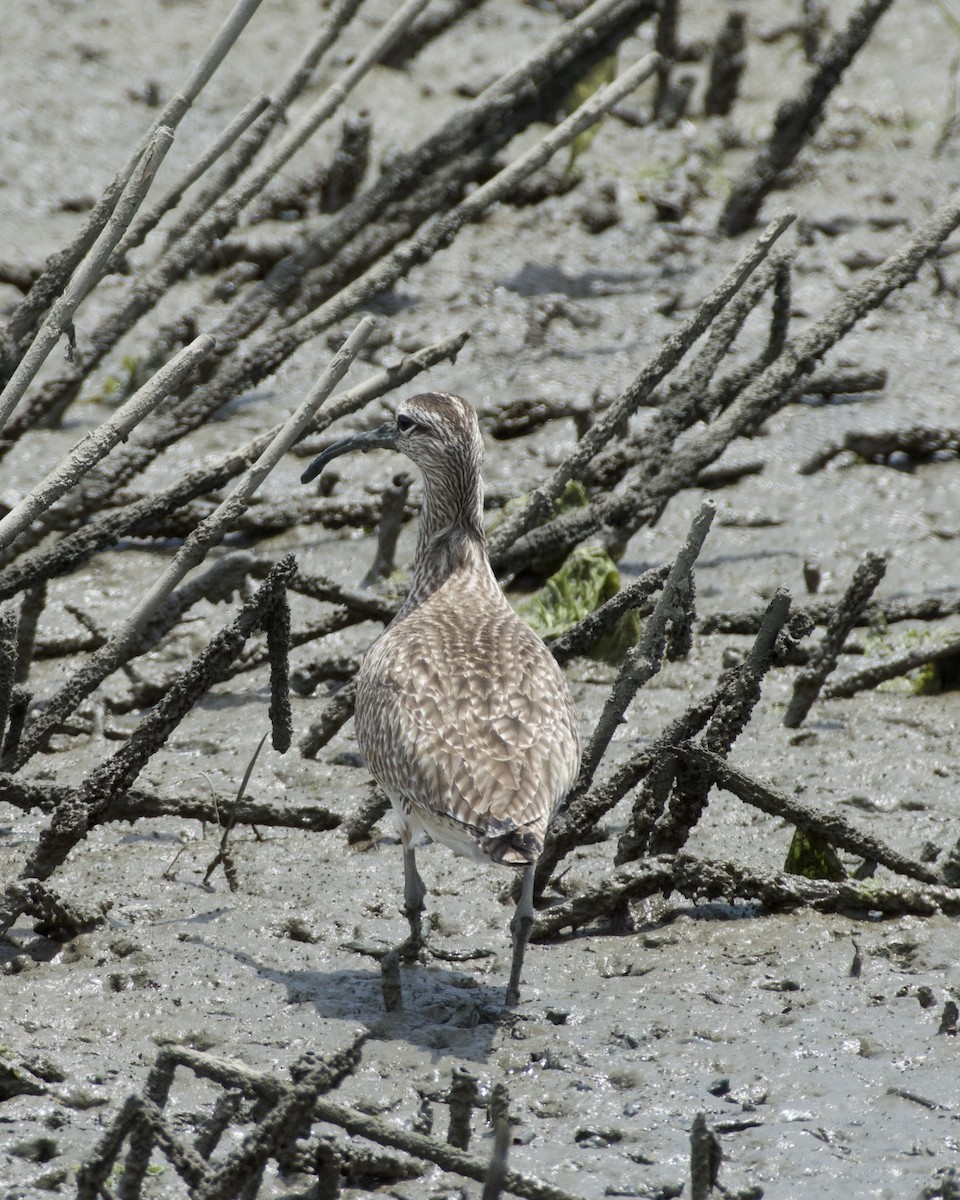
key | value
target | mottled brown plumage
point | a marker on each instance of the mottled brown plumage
(462, 715)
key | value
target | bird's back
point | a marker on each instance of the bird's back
(467, 722)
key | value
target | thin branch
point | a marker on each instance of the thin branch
(148, 221)
(97, 444)
(896, 665)
(421, 248)
(830, 825)
(89, 272)
(797, 120)
(811, 678)
(85, 805)
(136, 804)
(61, 266)
(102, 529)
(643, 660)
(594, 625)
(774, 387)
(504, 545)
(116, 651)
(338, 15)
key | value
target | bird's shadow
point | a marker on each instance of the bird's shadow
(444, 1010)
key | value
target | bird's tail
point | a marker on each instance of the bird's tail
(513, 847)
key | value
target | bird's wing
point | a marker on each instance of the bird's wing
(470, 720)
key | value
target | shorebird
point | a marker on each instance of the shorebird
(462, 715)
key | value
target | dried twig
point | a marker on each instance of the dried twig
(636, 881)
(101, 441)
(774, 387)
(896, 665)
(643, 660)
(149, 288)
(86, 805)
(136, 804)
(392, 516)
(919, 442)
(87, 274)
(8, 661)
(207, 534)
(61, 266)
(727, 61)
(148, 221)
(797, 120)
(100, 485)
(705, 879)
(812, 677)
(508, 546)
(705, 1158)
(576, 821)
(830, 825)
(594, 625)
(691, 787)
(335, 714)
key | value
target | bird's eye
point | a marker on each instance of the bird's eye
(405, 423)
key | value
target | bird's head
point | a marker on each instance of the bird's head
(437, 430)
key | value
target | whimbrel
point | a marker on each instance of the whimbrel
(463, 716)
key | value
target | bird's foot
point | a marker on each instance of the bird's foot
(413, 949)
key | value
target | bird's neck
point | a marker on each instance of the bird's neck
(450, 537)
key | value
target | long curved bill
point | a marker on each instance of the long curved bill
(376, 439)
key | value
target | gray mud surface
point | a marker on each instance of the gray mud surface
(821, 1080)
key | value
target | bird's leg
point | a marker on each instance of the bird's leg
(520, 927)
(414, 891)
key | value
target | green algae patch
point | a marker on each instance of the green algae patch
(587, 579)
(812, 856)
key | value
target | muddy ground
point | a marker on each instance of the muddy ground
(821, 1080)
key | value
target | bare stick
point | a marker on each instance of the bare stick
(689, 791)
(100, 442)
(337, 16)
(136, 804)
(104, 529)
(797, 120)
(8, 661)
(578, 819)
(499, 1113)
(393, 514)
(643, 660)
(774, 387)
(31, 608)
(892, 667)
(61, 266)
(208, 227)
(359, 827)
(727, 60)
(149, 220)
(703, 878)
(441, 233)
(812, 677)
(335, 714)
(917, 441)
(86, 275)
(384, 1133)
(116, 651)
(830, 825)
(614, 422)
(705, 1157)
(327, 104)
(594, 625)
(85, 805)
(636, 881)
(506, 107)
